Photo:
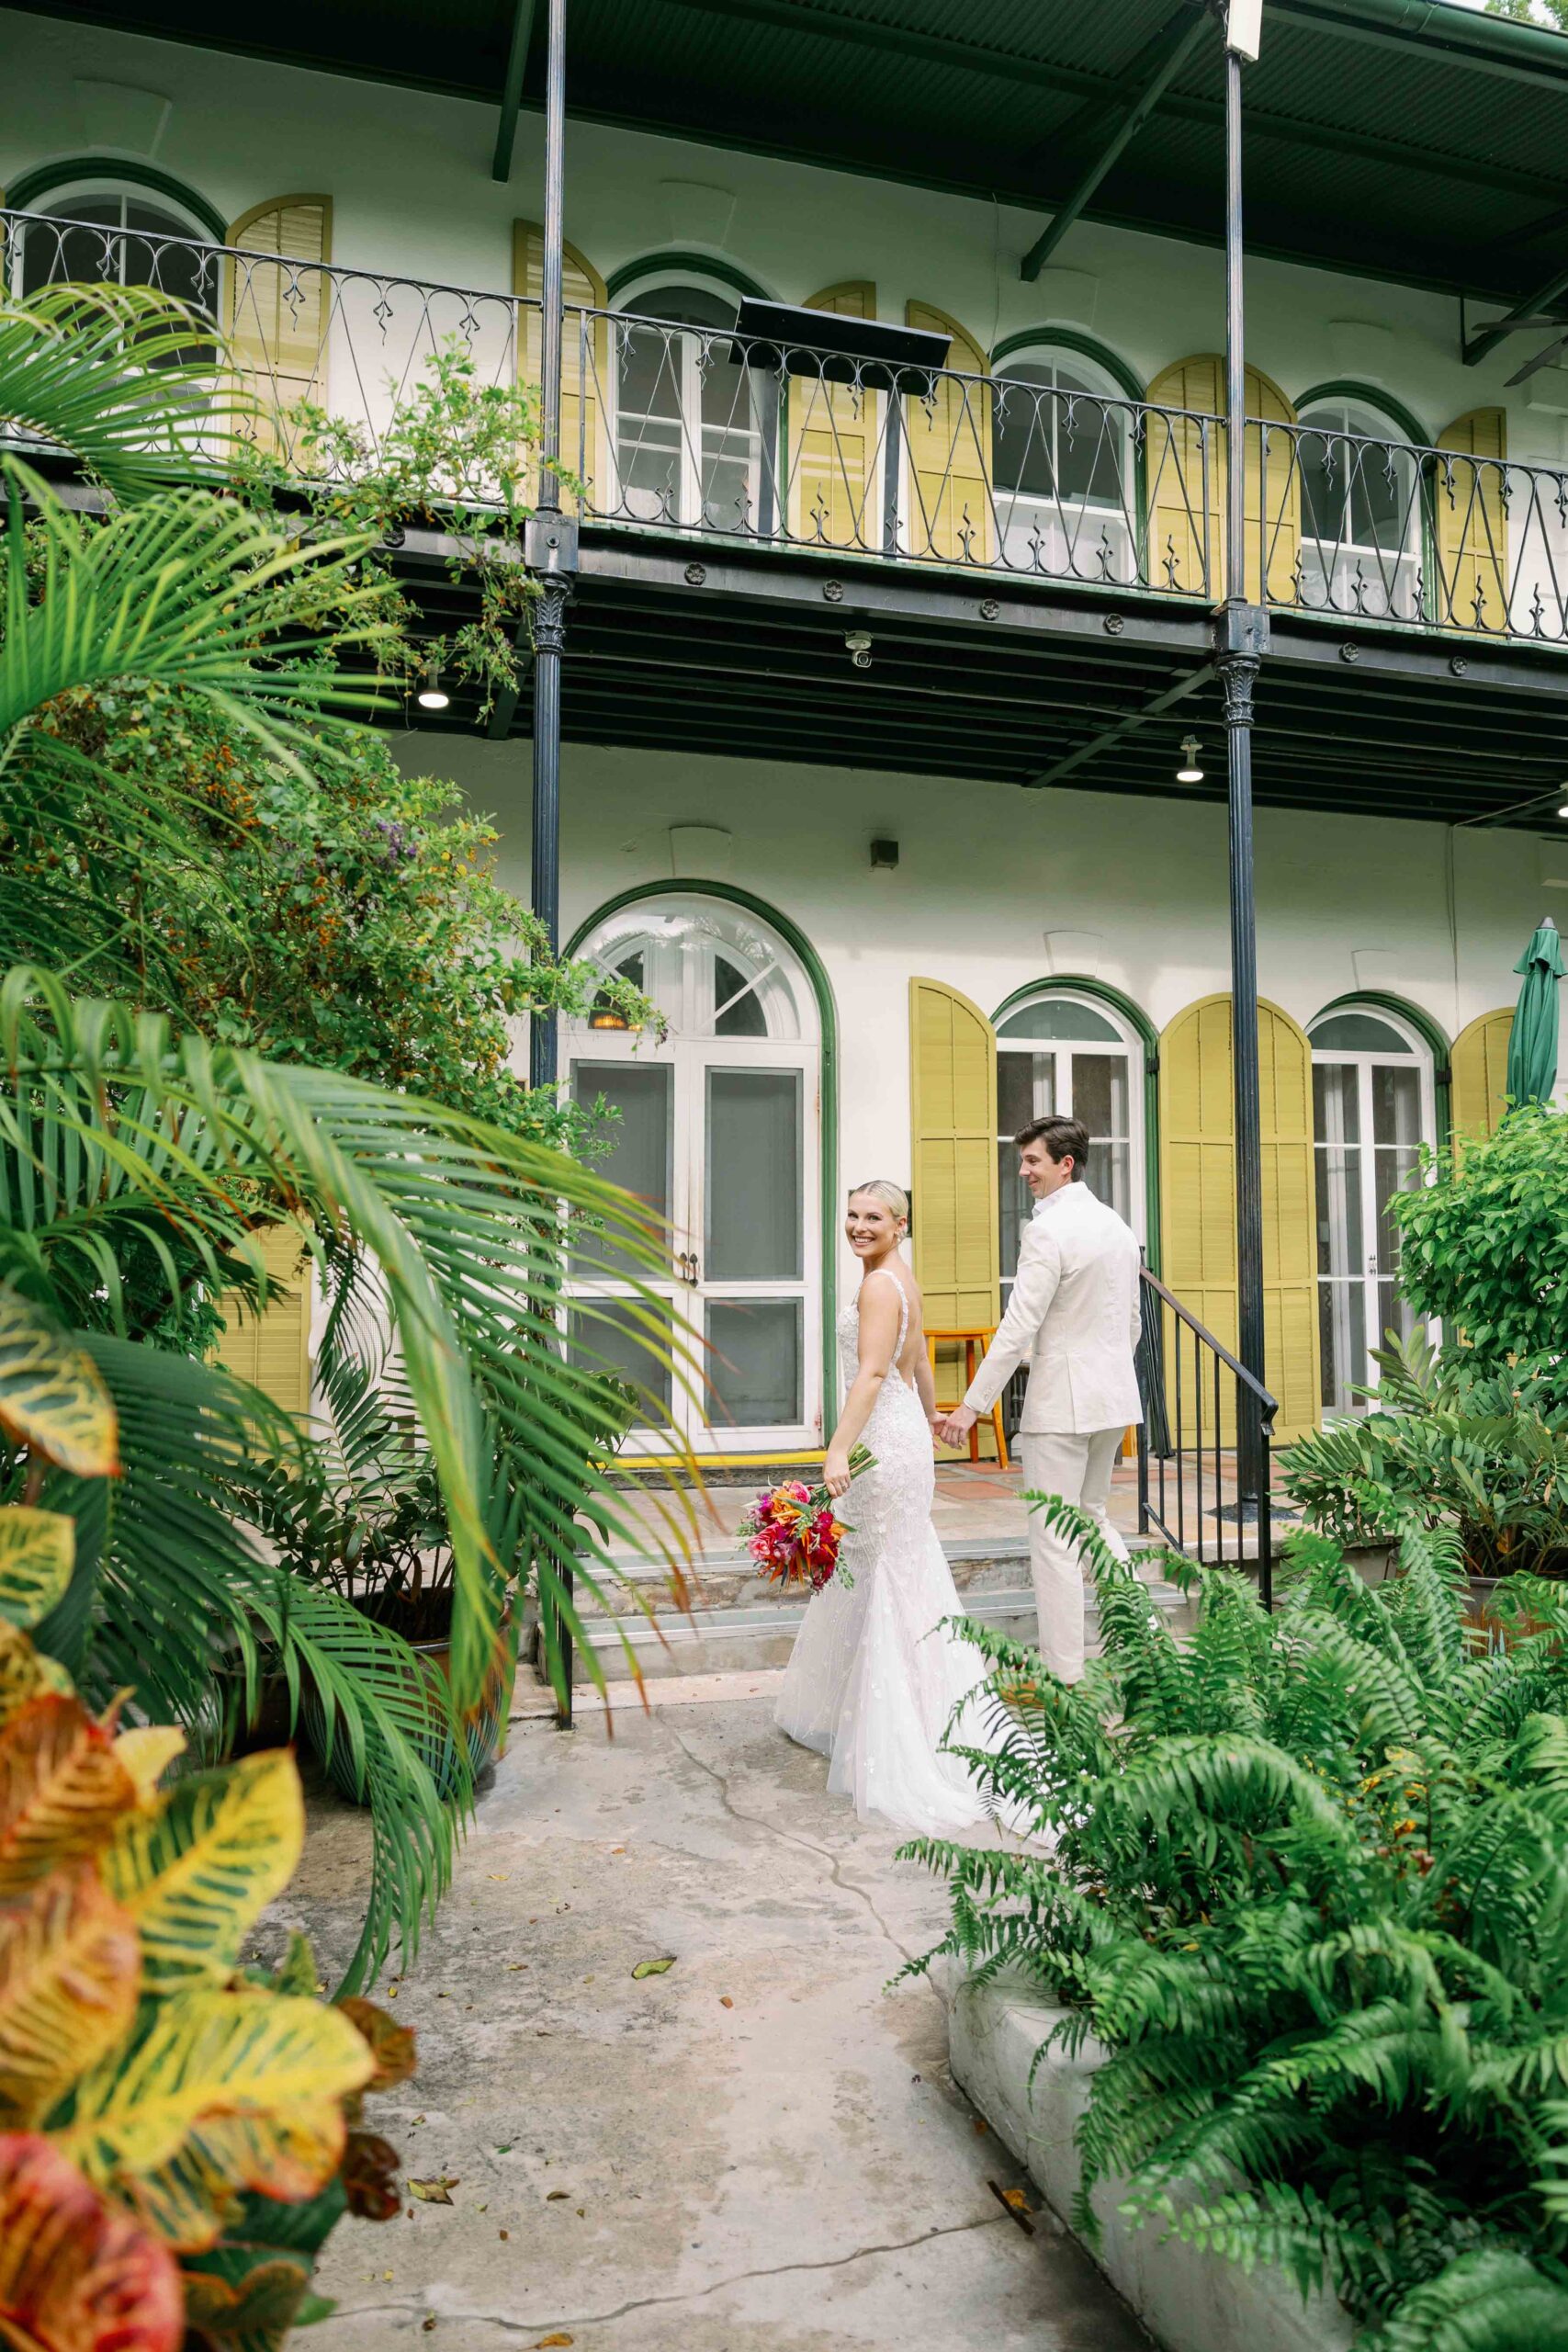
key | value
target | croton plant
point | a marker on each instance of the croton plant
(178, 2133)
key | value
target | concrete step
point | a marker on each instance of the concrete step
(744, 1637)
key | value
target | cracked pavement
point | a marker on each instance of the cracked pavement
(759, 2150)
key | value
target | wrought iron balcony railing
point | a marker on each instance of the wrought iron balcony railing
(1206, 1493)
(676, 426)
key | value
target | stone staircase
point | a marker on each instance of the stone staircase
(738, 1624)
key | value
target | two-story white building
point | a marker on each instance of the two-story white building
(893, 763)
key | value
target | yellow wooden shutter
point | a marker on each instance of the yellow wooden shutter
(1187, 502)
(833, 442)
(949, 440)
(279, 315)
(271, 1350)
(955, 1212)
(1479, 1066)
(584, 357)
(1198, 1191)
(1289, 1223)
(1470, 522)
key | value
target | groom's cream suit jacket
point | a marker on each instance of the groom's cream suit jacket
(1073, 1318)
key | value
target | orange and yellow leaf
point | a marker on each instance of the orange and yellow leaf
(70, 1979)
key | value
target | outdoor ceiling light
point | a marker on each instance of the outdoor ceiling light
(1564, 811)
(1190, 772)
(431, 695)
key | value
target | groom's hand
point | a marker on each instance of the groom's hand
(953, 1428)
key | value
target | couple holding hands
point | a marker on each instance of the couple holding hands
(875, 1677)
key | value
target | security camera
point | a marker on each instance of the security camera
(857, 645)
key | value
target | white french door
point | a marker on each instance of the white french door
(1371, 1113)
(717, 1134)
(1062, 1053)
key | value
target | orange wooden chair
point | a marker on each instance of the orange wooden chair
(974, 1343)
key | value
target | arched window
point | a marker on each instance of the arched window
(1061, 440)
(1360, 511)
(1373, 1106)
(1066, 1051)
(716, 1126)
(689, 413)
(106, 232)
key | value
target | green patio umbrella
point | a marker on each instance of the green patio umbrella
(1533, 1040)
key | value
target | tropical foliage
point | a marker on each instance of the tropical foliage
(178, 2134)
(1483, 1242)
(1308, 1890)
(455, 455)
(333, 911)
(1448, 1442)
(140, 1162)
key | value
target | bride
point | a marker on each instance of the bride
(873, 1678)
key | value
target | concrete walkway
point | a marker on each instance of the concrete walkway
(760, 2150)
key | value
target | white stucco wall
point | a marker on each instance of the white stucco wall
(986, 871)
(410, 179)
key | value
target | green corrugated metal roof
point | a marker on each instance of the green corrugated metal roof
(1407, 138)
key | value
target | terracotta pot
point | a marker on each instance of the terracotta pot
(484, 1723)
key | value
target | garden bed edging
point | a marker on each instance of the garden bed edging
(1188, 2299)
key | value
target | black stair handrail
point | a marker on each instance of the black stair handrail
(1193, 1485)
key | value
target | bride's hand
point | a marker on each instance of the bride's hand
(836, 1471)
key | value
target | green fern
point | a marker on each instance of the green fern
(1309, 1896)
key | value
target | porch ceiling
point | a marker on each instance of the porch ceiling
(1407, 140)
(750, 662)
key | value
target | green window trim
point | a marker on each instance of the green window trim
(1432, 1036)
(22, 194)
(1049, 338)
(682, 263)
(1348, 388)
(1137, 1019)
(815, 972)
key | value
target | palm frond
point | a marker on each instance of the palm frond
(174, 1604)
(464, 1225)
(186, 590)
(122, 377)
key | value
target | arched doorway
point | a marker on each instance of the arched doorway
(717, 1126)
(1373, 1107)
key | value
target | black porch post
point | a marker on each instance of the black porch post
(1242, 638)
(551, 553)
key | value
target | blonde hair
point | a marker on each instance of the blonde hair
(891, 1195)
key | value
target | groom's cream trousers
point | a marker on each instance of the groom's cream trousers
(1079, 1468)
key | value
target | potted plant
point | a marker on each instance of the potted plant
(1449, 1441)
(360, 1514)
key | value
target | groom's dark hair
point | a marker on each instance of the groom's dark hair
(1063, 1138)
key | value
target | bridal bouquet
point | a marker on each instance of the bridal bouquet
(794, 1533)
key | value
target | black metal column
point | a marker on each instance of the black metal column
(551, 553)
(1242, 638)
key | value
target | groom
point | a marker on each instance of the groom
(1073, 1318)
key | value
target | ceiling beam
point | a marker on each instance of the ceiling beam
(1151, 76)
(512, 88)
(1109, 735)
(1487, 339)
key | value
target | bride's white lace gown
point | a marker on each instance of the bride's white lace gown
(873, 1681)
